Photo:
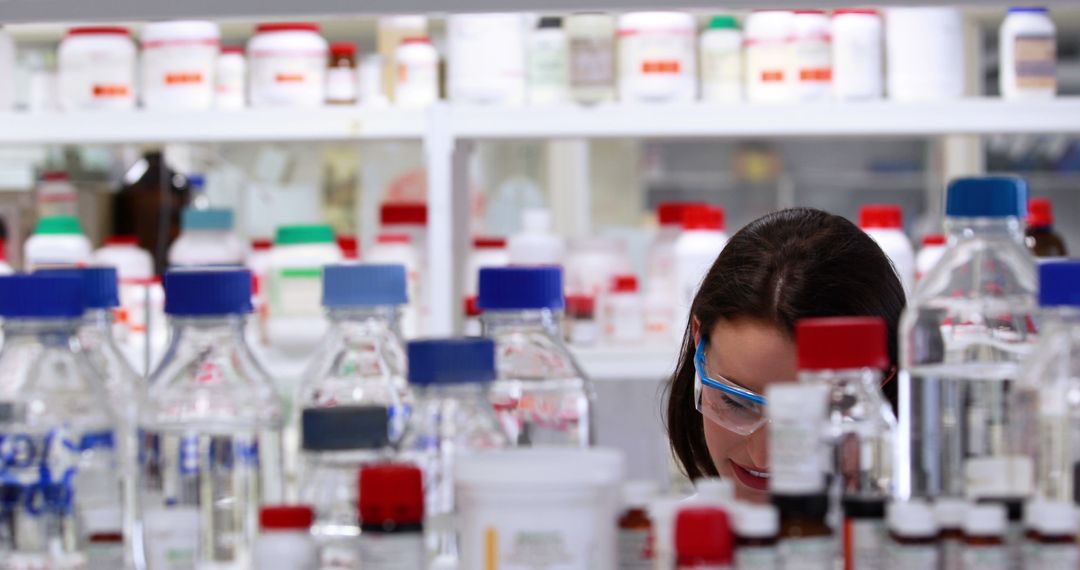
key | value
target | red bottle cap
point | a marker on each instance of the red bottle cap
(393, 238)
(838, 343)
(703, 217)
(860, 11)
(703, 535)
(349, 246)
(403, 213)
(580, 306)
(287, 27)
(54, 176)
(122, 240)
(287, 517)
(233, 49)
(262, 244)
(1040, 213)
(624, 284)
(881, 216)
(671, 213)
(933, 239)
(489, 242)
(471, 308)
(98, 31)
(342, 49)
(391, 493)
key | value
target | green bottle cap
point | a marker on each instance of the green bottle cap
(301, 234)
(58, 225)
(723, 23)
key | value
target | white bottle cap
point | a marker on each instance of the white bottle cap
(1031, 508)
(912, 519)
(986, 519)
(637, 494)
(950, 512)
(756, 521)
(536, 220)
(714, 490)
(1053, 518)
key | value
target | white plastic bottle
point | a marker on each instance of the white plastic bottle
(132, 263)
(924, 49)
(486, 58)
(592, 57)
(206, 238)
(295, 318)
(857, 56)
(56, 195)
(702, 239)
(57, 241)
(417, 75)
(548, 62)
(933, 247)
(1028, 47)
(287, 65)
(660, 305)
(721, 60)
(813, 56)
(285, 541)
(7, 72)
(535, 244)
(230, 79)
(178, 62)
(657, 57)
(885, 223)
(770, 56)
(96, 69)
(135, 271)
(398, 249)
(623, 315)
(486, 252)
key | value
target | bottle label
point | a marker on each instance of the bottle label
(172, 537)
(818, 553)
(296, 292)
(633, 549)
(986, 557)
(403, 551)
(1052, 556)
(757, 557)
(97, 79)
(914, 556)
(769, 70)
(174, 65)
(548, 69)
(105, 555)
(39, 470)
(341, 85)
(864, 542)
(417, 83)
(721, 75)
(1036, 61)
(813, 69)
(592, 63)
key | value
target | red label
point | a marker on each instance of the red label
(815, 74)
(661, 66)
(772, 76)
(183, 78)
(289, 78)
(111, 91)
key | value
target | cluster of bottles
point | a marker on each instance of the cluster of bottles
(99, 470)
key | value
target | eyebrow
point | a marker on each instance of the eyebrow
(737, 383)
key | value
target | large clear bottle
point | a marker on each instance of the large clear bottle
(452, 418)
(59, 493)
(210, 452)
(125, 388)
(968, 326)
(542, 396)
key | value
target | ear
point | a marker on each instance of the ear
(695, 330)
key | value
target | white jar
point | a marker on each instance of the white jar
(398, 249)
(417, 73)
(548, 62)
(96, 69)
(285, 539)
(857, 57)
(722, 61)
(295, 318)
(925, 50)
(486, 58)
(58, 241)
(702, 239)
(536, 244)
(132, 263)
(178, 61)
(486, 252)
(7, 71)
(1028, 47)
(591, 57)
(371, 91)
(884, 223)
(657, 57)
(206, 238)
(287, 65)
(933, 249)
(623, 315)
(813, 56)
(230, 76)
(770, 56)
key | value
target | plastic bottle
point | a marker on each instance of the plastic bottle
(933, 247)
(925, 56)
(660, 281)
(966, 329)
(798, 414)
(858, 59)
(885, 223)
(549, 62)
(230, 75)
(211, 428)
(178, 60)
(287, 65)
(96, 69)
(593, 263)
(286, 540)
(390, 32)
(535, 244)
(61, 464)
(417, 73)
(984, 538)
(950, 514)
(57, 241)
(721, 61)
(1028, 45)
(486, 58)
(486, 252)
(1040, 236)
(206, 238)
(915, 537)
(5, 267)
(635, 528)
(696, 249)
(756, 541)
(770, 56)
(703, 539)
(370, 71)
(848, 355)
(392, 515)
(581, 322)
(197, 189)
(132, 263)
(56, 196)
(541, 395)
(592, 57)
(7, 72)
(662, 512)
(452, 418)
(295, 322)
(341, 79)
(657, 57)
(624, 317)
(1053, 543)
(813, 55)
(399, 249)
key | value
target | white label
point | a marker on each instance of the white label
(296, 292)
(1035, 62)
(905, 556)
(379, 551)
(179, 76)
(341, 85)
(769, 71)
(653, 64)
(867, 543)
(795, 453)
(721, 75)
(757, 558)
(288, 79)
(817, 553)
(172, 538)
(633, 550)
(104, 555)
(417, 83)
(985, 557)
(96, 80)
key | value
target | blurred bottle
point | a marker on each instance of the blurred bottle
(399, 249)
(149, 205)
(62, 500)
(58, 241)
(541, 395)
(933, 247)
(701, 241)
(660, 279)
(703, 539)
(211, 429)
(207, 239)
(885, 223)
(197, 187)
(536, 244)
(392, 512)
(56, 195)
(1040, 236)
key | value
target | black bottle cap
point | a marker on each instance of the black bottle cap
(345, 428)
(550, 22)
(863, 508)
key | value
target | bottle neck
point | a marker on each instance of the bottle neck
(543, 320)
(210, 329)
(460, 391)
(1009, 228)
(866, 380)
(100, 319)
(366, 320)
(61, 328)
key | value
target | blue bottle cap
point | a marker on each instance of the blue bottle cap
(207, 292)
(345, 427)
(220, 219)
(520, 288)
(451, 361)
(1059, 283)
(987, 197)
(1028, 10)
(99, 284)
(364, 285)
(41, 296)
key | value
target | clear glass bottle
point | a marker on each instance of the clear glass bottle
(967, 327)
(915, 537)
(452, 417)
(848, 355)
(125, 388)
(58, 461)
(542, 396)
(210, 451)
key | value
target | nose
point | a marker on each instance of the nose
(757, 446)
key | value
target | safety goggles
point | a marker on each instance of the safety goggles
(725, 403)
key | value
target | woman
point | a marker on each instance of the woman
(781, 268)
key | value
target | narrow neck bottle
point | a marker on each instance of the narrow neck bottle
(366, 321)
(1003, 229)
(524, 321)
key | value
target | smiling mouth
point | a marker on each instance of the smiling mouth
(756, 480)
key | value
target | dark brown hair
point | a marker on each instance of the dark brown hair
(783, 267)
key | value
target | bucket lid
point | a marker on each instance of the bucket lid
(542, 467)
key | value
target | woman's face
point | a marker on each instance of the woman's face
(752, 354)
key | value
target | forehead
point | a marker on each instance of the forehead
(750, 352)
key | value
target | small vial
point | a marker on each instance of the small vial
(391, 517)
(984, 544)
(285, 541)
(341, 79)
(915, 536)
(703, 539)
(949, 514)
(756, 540)
(581, 327)
(1052, 542)
(635, 527)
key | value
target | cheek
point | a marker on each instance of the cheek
(721, 443)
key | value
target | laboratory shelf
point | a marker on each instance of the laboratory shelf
(250, 125)
(644, 362)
